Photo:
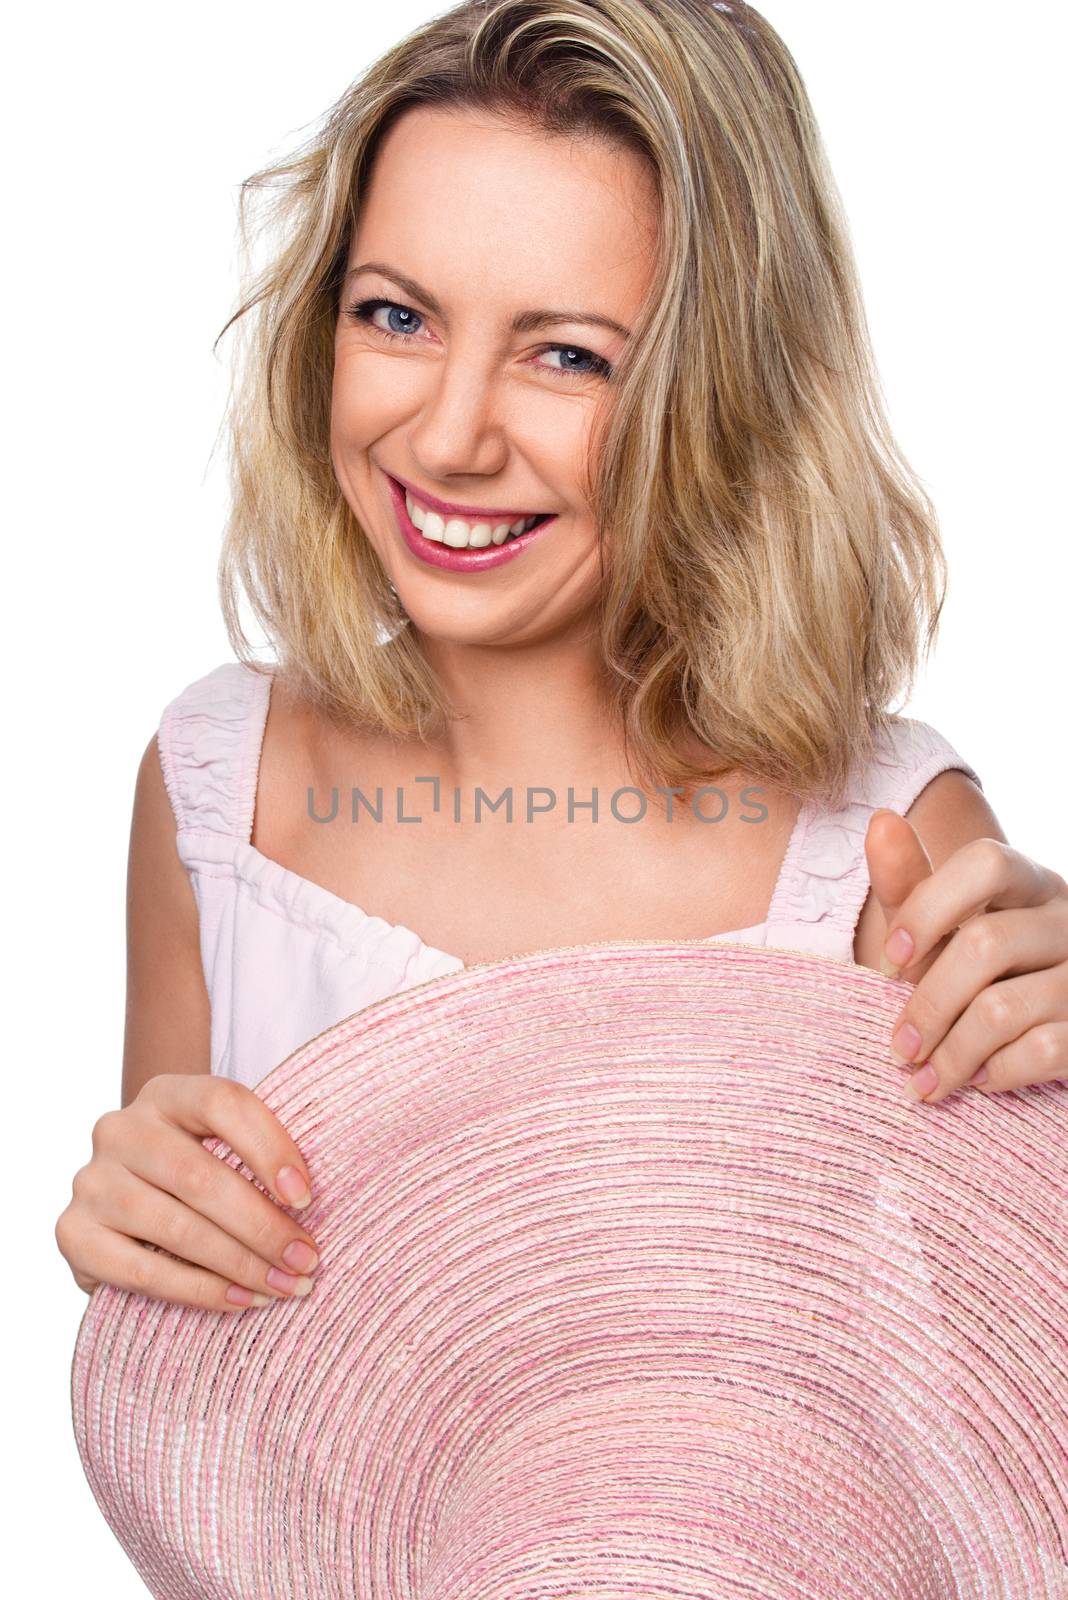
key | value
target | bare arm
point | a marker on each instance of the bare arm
(168, 1016)
(218, 1242)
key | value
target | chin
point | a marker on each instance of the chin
(477, 625)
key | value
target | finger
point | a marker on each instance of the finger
(232, 1111)
(982, 875)
(169, 1160)
(1000, 1015)
(897, 863)
(117, 1259)
(150, 1215)
(990, 946)
(1040, 1056)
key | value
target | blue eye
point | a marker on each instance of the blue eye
(599, 367)
(364, 311)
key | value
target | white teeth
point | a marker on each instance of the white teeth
(433, 526)
(460, 534)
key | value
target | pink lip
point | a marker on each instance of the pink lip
(449, 559)
(483, 513)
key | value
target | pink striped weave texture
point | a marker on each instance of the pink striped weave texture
(640, 1277)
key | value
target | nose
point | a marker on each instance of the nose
(460, 427)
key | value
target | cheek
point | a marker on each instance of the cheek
(341, 398)
(367, 396)
(565, 439)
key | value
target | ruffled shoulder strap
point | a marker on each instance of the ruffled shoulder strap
(209, 745)
(824, 880)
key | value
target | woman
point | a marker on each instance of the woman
(559, 470)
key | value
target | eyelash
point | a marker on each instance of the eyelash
(363, 310)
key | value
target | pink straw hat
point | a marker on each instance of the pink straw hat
(641, 1277)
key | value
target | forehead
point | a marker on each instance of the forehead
(509, 205)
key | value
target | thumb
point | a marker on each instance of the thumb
(897, 862)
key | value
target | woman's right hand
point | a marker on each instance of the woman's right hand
(150, 1179)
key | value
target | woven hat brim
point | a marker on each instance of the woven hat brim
(639, 1275)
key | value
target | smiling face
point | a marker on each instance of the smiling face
(444, 383)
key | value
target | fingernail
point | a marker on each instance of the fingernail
(300, 1256)
(238, 1295)
(899, 947)
(921, 1083)
(906, 1043)
(287, 1283)
(982, 1075)
(292, 1188)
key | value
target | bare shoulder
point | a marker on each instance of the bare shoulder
(306, 747)
(950, 812)
(168, 1016)
(301, 747)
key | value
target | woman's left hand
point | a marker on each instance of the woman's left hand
(985, 941)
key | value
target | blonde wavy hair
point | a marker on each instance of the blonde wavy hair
(771, 566)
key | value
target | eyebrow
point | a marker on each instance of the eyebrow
(522, 322)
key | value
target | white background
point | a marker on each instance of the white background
(129, 128)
